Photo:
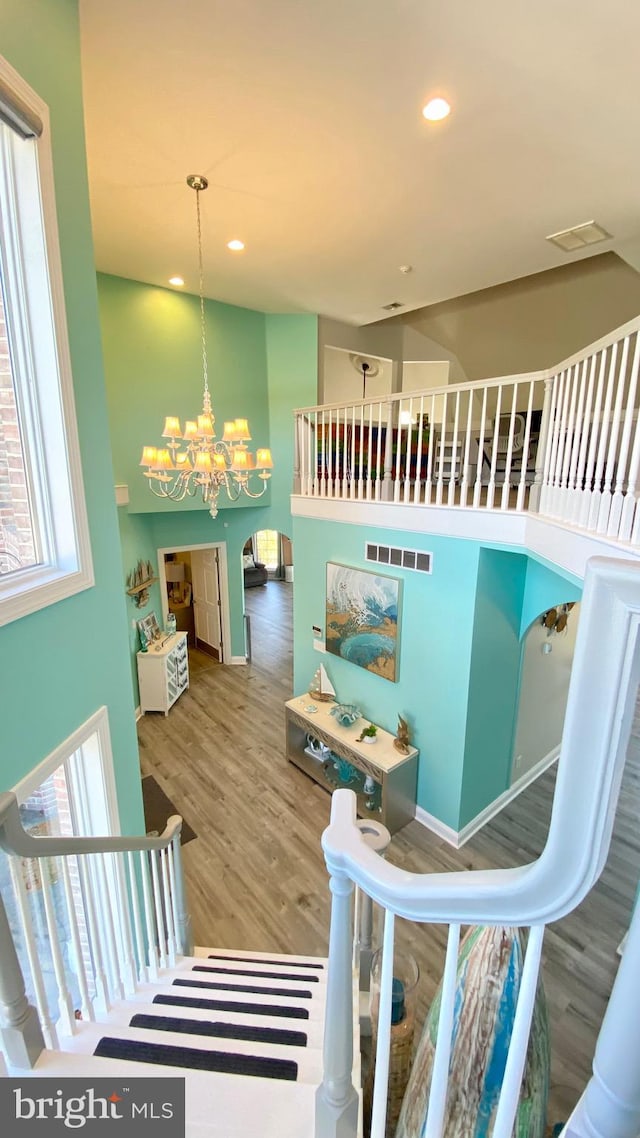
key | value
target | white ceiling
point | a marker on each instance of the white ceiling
(305, 115)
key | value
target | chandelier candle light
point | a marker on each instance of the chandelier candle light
(194, 459)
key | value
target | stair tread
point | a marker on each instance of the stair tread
(193, 1000)
(301, 993)
(218, 1029)
(219, 970)
(218, 1105)
(299, 960)
(196, 1058)
(138, 1005)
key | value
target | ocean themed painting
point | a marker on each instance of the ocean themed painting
(362, 619)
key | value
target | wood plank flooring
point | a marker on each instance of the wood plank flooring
(256, 877)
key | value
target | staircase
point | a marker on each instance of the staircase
(245, 1029)
(219, 1019)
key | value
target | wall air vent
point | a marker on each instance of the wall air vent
(392, 306)
(399, 558)
(570, 240)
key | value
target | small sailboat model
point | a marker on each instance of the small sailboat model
(321, 687)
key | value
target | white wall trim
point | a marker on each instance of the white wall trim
(513, 791)
(138, 713)
(430, 822)
(457, 838)
(559, 545)
(238, 660)
(97, 724)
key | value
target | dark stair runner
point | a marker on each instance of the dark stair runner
(261, 960)
(260, 975)
(279, 1010)
(222, 1030)
(256, 1066)
(253, 988)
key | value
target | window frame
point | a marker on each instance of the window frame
(34, 295)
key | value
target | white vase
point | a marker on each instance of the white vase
(370, 739)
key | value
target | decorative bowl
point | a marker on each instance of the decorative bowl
(346, 713)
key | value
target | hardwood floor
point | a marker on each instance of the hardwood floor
(256, 877)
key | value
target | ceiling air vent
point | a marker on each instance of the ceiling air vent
(399, 558)
(569, 240)
(393, 306)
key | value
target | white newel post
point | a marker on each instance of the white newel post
(297, 427)
(536, 489)
(183, 915)
(336, 1097)
(610, 1105)
(20, 1031)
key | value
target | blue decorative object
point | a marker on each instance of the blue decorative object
(346, 713)
(346, 771)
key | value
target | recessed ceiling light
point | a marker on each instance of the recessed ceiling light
(236, 246)
(436, 109)
(177, 281)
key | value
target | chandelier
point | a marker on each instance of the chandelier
(194, 460)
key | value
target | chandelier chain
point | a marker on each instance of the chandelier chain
(203, 328)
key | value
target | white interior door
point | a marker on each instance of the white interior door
(205, 573)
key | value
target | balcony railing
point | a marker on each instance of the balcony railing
(564, 443)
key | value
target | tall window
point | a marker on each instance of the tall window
(44, 543)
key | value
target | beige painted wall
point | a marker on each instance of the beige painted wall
(528, 324)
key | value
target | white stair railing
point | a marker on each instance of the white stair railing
(600, 708)
(92, 887)
(563, 442)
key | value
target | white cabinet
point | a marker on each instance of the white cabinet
(163, 673)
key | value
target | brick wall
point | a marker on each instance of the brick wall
(16, 534)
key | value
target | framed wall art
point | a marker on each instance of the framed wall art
(362, 619)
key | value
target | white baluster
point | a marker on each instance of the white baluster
(353, 486)
(494, 451)
(383, 1045)
(556, 498)
(417, 486)
(579, 433)
(137, 923)
(20, 1031)
(477, 490)
(174, 902)
(105, 917)
(594, 508)
(168, 910)
(571, 444)
(605, 500)
(431, 452)
(183, 917)
(128, 967)
(514, 1069)
(379, 458)
(585, 437)
(97, 954)
(630, 422)
(610, 1105)
(440, 456)
(313, 457)
(87, 1004)
(157, 900)
(464, 483)
(407, 465)
(506, 485)
(153, 936)
(595, 427)
(541, 489)
(559, 390)
(336, 1097)
(22, 901)
(297, 483)
(323, 468)
(451, 496)
(522, 484)
(441, 1059)
(65, 1005)
(330, 463)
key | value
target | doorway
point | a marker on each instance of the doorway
(193, 586)
(267, 563)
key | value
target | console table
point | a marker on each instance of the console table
(395, 775)
(163, 673)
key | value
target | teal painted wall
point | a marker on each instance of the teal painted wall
(545, 587)
(262, 366)
(153, 364)
(58, 666)
(436, 627)
(493, 680)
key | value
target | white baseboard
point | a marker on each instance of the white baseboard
(238, 660)
(430, 822)
(457, 838)
(138, 713)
